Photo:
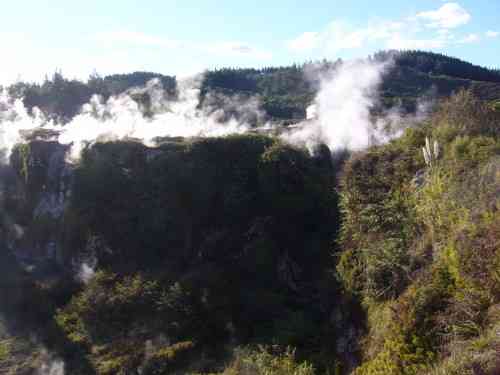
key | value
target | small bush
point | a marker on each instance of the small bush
(379, 223)
(109, 306)
(265, 362)
(168, 359)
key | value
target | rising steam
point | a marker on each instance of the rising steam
(121, 117)
(340, 115)
(50, 365)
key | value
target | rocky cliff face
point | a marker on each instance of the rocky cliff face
(217, 242)
(34, 197)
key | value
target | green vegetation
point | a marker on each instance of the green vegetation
(227, 247)
(213, 242)
(264, 361)
(439, 64)
(423, 255)
(244, 255)
(284, 92)
(61, 99)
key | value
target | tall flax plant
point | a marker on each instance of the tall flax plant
(431, 154)
(437, 205)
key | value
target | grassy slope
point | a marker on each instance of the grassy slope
(423, 255)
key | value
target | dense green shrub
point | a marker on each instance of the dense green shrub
(168, 359)
(204, 240)
(379, 221)
(266, 362)
(109, 307)
(447, 243)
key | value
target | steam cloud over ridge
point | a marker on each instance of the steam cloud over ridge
(340, 116)
(121, 117)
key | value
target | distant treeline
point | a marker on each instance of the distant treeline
(61, 99)
(285, 92)
(439, 64)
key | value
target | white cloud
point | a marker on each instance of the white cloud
(492, 34)
(110, 52)
(135, 38)
(425, 30)
(400, 42)
(226, 48)
(235, 48)
(471, 38)
(304, 42)
(448, 16)
(74, 62)
(340, 35)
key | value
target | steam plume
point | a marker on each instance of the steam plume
(53, 368)
(50, 365)
(340, 114)
(86, 272)
(121, 117)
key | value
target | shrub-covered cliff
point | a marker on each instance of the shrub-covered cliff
(420, 244)
(245, 255)
(198, 246)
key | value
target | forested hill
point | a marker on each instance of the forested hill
(439, 64)
(285, 92)
(246, 255)
(61, 98)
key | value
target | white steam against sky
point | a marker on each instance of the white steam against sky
(339, 117)
(121, 117)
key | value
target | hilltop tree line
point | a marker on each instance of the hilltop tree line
(284, 92)
(61, 99)
(439, 64)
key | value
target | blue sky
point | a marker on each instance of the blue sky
(185, 37)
